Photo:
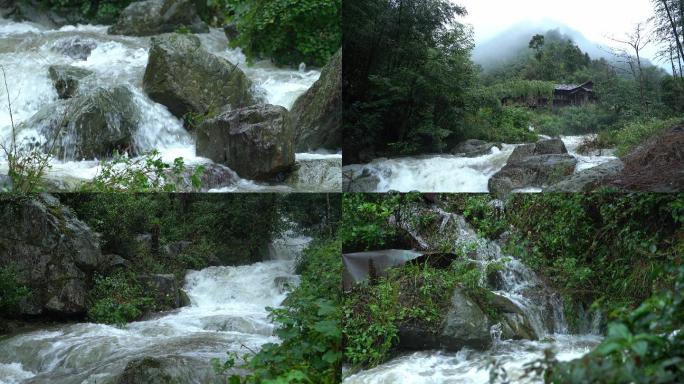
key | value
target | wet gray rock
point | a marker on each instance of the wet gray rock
(89, 126)
(465, 325)
(589, 179)
(53, 252)
(187, 79)
(317, 175)
(365, 182)
(76, 47)
(212, 177)
(66, 79)
(163, 288)
(256, 141)
(533, 165)
(317, 114)
(474, 148)
(169, 370)
(152, 17)
(515, 323)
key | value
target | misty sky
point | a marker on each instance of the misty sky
(595, 19)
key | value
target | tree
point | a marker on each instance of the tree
(537, 43)
(633, 45)
(669, 31)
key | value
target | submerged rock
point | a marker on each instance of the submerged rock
(152, 17)
(66, 79)
(474, 148)
(53, 252)
(89, 126)
(533, 165)
(256, 142)
(76, 47)
(169, 370)
(465, 325)
(317, 114)
(187, 79)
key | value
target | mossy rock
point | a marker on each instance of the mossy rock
(188, 80)
(317, 114)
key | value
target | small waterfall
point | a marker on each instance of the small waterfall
(227, 311)
(27, 50)
(543, 308)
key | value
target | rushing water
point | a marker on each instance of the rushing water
(449, 173)
(27, 50)
(227, 312)
(541, 306)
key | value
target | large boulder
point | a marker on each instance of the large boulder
(533, 165)
(53, 253)
(474, 148)
(317, 114)
(89, 126)
(187, 79)
(152, 17)
(589, 179)
(66, 79)
(317, 174)
(256, 142)
(465, 325)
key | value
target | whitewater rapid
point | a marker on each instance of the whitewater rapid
(515, 281)
(457, 174)
(227, 314)
(27, 50)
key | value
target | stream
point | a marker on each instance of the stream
(456, 174)
(542, 307)
(227, 311)
(27, 50)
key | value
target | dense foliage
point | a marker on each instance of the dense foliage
(645, 345)
(11, 291)
(400, 99)
(288, 32)
(118, 299)
(406, 71)
(99, 11)
(308, 326)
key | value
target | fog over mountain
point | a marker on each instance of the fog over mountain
(514, 41)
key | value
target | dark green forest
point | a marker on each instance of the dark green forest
(287, 32)
(411, 87)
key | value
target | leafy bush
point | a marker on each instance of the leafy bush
(99, 11)
(364, 221)
(604, 247)
(409, 296)
(636, 132)
(288, 32)
(308, 327)
(11, 291)
(117, 299)
(645, 345)
(147, 173)
(574, 120)
(508, 124)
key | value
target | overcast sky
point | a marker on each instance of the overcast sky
(595, 19)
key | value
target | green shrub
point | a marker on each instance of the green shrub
(117, 299)
(636, 132)
(288, 32)
(308, 327)
(11, 291)
(645, 345)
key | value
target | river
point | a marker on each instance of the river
(456, 174)
(27, 50)
(227, 311)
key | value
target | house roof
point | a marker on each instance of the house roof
(588, 86)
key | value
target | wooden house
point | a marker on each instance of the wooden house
(570, 94)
